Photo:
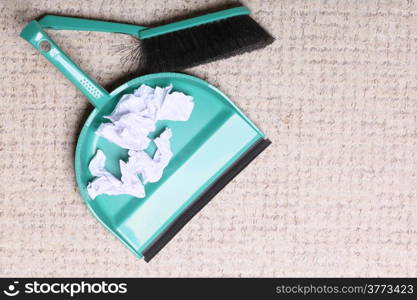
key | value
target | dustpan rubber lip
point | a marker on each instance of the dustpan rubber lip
(204, 198)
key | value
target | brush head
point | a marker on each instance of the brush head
(200, 44)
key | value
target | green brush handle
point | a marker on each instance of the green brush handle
(34, 34)
(70, 23)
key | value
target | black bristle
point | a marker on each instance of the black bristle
(202, 44)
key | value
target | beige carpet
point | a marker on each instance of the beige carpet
(335, 195)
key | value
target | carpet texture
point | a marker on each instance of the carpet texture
(335, 194)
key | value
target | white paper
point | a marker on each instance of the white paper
(151, 169)
(130, 131)
(131, 121)
(106, 183)
(176, 107)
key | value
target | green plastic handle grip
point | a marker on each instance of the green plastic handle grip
(34, 34)
(70, 23)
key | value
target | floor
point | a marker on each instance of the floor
(335, 194)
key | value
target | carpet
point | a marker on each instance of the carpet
(334, 195)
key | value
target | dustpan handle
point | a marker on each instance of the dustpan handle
(34, 34)
(71, 23)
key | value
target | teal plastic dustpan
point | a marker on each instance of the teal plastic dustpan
(212, 147)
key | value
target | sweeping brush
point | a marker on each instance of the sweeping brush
(181, 44)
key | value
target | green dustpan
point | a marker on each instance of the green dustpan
(212, 147)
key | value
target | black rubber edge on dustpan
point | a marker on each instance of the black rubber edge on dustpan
(204, 198)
